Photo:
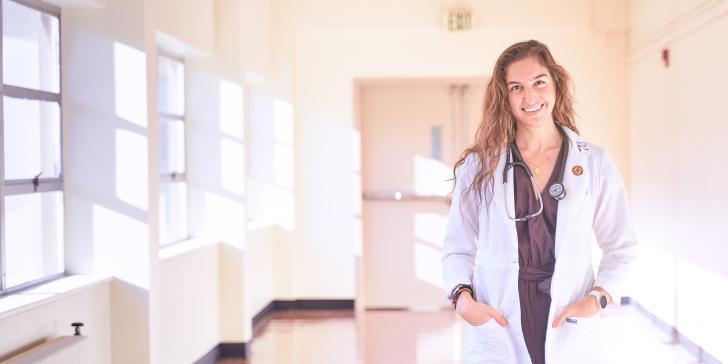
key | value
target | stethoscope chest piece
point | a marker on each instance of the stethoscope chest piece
(557, 191)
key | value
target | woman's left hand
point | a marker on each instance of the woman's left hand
(586, 307)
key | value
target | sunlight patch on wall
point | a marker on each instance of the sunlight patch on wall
(430, 228)
(280, 206)
(232, 166)
(283, 157)
(121, 244)
(130, 84)
(283, 122)
(283, 166)
(131, 163)
(225, 219)
(232, 110)
(431, 177)
(428, 268)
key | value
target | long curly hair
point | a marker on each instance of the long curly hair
(498, 125)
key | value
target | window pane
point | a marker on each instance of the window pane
(171, 86)
(172, 146)
(173, 212)
(32, 138)
(33, 236)
(30, 48)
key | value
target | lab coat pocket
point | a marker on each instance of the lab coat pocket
(582, 340)
(487, 343)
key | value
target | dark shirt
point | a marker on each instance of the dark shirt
(536, 242)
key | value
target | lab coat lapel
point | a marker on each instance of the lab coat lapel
(576, 186)
(500, 192)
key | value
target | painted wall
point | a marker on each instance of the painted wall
(224, 93)
(34, 326)
(293, 190)
(245, 43)
(677, 133)
(189, 21)
(270, 196)
(335, 44)
(105, 140)
(111, 154)
(215, 175)
(190, 321)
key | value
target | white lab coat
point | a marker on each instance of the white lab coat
(481, 248)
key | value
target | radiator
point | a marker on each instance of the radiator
(60, 350)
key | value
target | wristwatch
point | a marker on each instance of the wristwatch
(601, 298)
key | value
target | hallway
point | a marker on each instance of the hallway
(172, 172)
(408, 337)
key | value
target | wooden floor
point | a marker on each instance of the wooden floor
(406, 337)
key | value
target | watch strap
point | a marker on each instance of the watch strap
(601, 298)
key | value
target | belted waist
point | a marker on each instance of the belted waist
(535, 274)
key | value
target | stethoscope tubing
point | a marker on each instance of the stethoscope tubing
(556, 190)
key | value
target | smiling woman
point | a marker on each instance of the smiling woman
(530, 268)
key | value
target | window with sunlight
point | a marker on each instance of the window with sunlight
(173, 185)
(31, 200)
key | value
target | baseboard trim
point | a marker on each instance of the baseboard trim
(224, 351)
(300, 305)
(265, 312)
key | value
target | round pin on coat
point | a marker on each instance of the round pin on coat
(577, 170)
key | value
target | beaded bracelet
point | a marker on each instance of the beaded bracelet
(457, 291)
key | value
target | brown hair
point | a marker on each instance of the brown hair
(498, 126)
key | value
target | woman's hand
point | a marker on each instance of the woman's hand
(476, 313)
(586, 307)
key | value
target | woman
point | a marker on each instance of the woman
(528, 195)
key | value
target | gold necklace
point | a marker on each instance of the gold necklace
(537, 167)
(537, 170)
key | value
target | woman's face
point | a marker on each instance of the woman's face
(531, 92)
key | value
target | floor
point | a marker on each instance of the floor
(407, 337)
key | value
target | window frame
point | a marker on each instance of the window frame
(28, 185)
(166, 117)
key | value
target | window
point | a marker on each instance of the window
(31, 197)
(172, 165)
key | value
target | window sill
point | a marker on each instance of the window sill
(184, 246)
(43, 294)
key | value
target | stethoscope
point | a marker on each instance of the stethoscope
(556, 190)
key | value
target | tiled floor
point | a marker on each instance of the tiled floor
(405, 337)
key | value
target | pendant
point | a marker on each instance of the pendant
(537, 171)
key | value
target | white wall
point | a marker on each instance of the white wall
(333, 44)
(34, 326)
(105, 129)
(196, 295)
(275, 204)
(244, 45)
(190, 21)
(270, 196)
(190, 319)
(254, 42)
(224, 93)
(677, 133)
(216, 180)
(205, 279)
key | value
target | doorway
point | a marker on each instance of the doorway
(412, 132)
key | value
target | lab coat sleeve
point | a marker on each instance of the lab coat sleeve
(459, 246)
(614, 231)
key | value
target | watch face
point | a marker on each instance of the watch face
(603, 302)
